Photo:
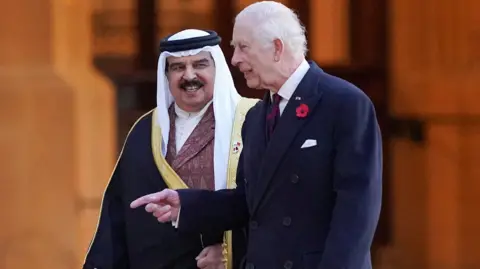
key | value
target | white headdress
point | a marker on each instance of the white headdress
(225, 100)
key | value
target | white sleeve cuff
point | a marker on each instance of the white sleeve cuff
(175, 223)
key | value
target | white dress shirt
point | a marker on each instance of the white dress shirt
(185, 123)
(289, 87)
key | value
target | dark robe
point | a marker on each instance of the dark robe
(131, 238)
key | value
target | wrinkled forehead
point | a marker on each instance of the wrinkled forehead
(242, 34)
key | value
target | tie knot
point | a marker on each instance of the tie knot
(276, 98)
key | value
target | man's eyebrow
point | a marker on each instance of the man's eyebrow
(176, 63)
(201, 61)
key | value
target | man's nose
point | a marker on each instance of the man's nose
(235, 57)
(189, 73)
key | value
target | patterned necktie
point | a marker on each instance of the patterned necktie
(274, 114)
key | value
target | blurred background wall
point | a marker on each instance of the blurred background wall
(75, 74)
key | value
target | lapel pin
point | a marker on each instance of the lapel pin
(298, 98)
(236, 147)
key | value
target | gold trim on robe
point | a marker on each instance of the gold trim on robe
(173, 181)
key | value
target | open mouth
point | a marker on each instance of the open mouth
(192, 88)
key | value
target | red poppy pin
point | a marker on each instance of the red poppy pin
(302, 111)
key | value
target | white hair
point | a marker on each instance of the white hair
(271, 20)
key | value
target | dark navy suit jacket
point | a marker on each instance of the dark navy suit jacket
(311, 208)
(131, 238)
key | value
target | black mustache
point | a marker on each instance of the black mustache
(191, 83)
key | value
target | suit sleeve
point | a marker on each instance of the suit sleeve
(204, 211)
(357, 183)
(108, 249)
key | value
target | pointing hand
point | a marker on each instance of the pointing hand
(164, 205)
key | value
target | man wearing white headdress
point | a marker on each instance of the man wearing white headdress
(192, 139)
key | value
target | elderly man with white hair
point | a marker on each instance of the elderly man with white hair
(311, 162)
(192, 139)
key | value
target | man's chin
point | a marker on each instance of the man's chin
(253, 84)
(195, 104)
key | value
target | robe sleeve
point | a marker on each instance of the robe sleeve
(210, 239)
(108, 249)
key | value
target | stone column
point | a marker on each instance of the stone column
(56, 134)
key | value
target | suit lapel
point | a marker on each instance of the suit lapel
(286, 130)
(203, 133)
(260, 136)
(257, 144)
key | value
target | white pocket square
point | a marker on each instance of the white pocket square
(309, 143)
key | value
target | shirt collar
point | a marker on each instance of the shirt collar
(289, 87)
(185, 115)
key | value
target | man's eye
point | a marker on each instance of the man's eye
(201, 65)
(176, 68)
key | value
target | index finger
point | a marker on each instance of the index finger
(149, 198)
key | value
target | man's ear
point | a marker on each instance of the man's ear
(278, 47)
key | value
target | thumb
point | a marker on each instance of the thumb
(202, 254)
(172, 197)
